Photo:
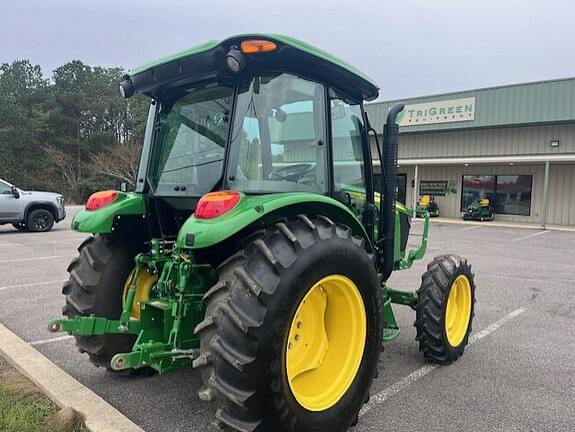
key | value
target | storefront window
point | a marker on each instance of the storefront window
(477, 187)
(509, 194)
(513, 195)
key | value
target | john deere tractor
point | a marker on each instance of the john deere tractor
(254, 247)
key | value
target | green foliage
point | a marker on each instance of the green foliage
(23, 408)
(51, 129)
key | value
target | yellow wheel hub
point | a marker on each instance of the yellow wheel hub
(458, 310)
(144, 285)
(326, 343)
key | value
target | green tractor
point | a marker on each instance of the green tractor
(254, 247)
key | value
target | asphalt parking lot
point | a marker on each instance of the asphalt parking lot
(518, 375)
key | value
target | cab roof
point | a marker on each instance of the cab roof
(292, 55)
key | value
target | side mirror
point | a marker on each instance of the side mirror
(15, 192)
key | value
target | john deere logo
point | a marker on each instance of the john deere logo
(446, 111)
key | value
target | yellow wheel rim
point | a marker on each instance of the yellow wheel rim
(458, 310)
(144, 286)
(326, 342)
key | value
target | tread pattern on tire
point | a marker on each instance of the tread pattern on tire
(235, 309)
(430, 309)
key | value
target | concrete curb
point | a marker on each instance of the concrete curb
(500, 224)
(61, 388)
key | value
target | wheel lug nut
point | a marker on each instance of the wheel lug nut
(299, 325)
(297, 337)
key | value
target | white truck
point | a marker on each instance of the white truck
(30, 210)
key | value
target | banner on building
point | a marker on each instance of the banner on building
(433, 187)
(445, 111)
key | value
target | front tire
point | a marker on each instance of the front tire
(97, 279)
(249, 328)
(444, 311)
(40, 220)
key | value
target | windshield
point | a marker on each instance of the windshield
(191, 137)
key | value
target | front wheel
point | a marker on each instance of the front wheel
(444, 311)
(292, 330)
(40, 220)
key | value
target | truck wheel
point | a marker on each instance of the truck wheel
(40, 220)
(21, 226)
(96, 284)
(292, 331)
(444, 312)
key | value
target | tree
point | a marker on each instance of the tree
(64, 133)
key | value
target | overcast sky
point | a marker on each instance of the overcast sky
(410, 47)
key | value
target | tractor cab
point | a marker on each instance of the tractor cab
(254, 115)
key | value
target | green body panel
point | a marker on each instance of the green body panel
(102, 220)
(292, 42)
(255, 208)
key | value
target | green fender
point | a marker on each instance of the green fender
(102, 220)
(201, 233)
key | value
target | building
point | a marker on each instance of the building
(513, 144)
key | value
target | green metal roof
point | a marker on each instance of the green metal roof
(551, 101)
(287, 40)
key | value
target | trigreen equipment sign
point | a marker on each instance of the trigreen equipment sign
(445, 111)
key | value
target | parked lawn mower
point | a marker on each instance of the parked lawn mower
(480, 210)
(254, 249)
(427, 204)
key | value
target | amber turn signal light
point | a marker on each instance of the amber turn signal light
(257, 46)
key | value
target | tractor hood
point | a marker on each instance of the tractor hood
(208, 61)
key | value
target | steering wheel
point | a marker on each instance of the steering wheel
(292, 172)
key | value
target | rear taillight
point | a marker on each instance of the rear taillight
(214, 204)
(101, 199)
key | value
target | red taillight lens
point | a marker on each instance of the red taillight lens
(214, 204)
(101, 199)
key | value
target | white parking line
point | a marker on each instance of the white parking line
(530, 236)
(395, 388)
(9, 244)
(32, 284)
(34, 259)
(47, 341)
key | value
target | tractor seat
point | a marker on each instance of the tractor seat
(484, 202)
(424, 201)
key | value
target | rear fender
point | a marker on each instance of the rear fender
(262, 210)
(104, 219)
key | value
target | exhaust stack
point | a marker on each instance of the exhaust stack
(389, 176)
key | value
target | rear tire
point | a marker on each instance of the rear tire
(244, 335)
(40, 220)
(443, 275)
(95, 286)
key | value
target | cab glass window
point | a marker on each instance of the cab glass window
(278, 136)
(348, 155)
(190, 143)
